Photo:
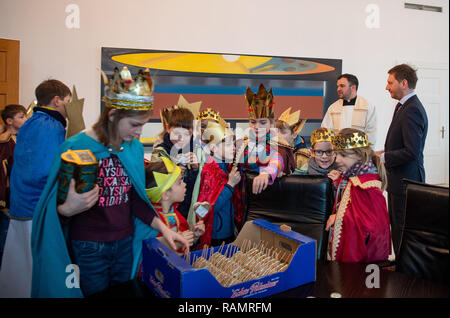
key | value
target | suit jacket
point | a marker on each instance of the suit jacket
(404, 145)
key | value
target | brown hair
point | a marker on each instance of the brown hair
(178, 117)
(365, 154)
(181, 117)
(106, 130)
(404, 72)
(48, 89)
(11, 110)
(282, 125)
(153, 166)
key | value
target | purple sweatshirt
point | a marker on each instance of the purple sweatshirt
(110, 219)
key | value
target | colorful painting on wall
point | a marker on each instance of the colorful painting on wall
(220, 80)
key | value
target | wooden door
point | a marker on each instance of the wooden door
(432, 90)
(9, 72)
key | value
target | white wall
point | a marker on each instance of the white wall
(323, 29)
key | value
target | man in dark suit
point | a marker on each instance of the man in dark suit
(403, 148)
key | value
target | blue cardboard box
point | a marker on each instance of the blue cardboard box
(170, 275)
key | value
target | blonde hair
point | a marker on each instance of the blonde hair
(365, 154)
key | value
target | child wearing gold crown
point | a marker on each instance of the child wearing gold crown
(219, 186)
(165, 188)
(201, 151)
(289, 127)
(323, 156)
(360, 222)
(103, 228)
(256, 152)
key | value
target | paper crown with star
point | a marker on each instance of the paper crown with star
(260, 105)
(357, 139)
(216, 130)
(164, 181)
(322, 134)
(122, 91)
(182, 103)
(293, 119)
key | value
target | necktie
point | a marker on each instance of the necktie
(397, 107)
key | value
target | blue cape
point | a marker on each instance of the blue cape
(48, 244)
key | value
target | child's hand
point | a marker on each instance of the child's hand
(199, 229)
(182, 168)
(192, 159)
(174, 240)
(334, 175)
(188, 236)
(260, 183)
(77, 202)
(330, 222)
(234, 177)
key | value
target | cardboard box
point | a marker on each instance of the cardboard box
(169, 275)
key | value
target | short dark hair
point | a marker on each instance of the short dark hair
(404, 72)
(12, 110)
(352, 79)
(48, 89)
(154, 166)
(181, 117)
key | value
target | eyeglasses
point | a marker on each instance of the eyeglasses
(320, 153)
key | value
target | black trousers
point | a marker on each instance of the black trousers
(396, 209)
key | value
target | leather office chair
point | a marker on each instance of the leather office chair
(302, 202)
(424, 247)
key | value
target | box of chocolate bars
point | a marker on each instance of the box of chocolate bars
(265, 259)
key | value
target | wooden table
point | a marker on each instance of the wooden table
(348, 280)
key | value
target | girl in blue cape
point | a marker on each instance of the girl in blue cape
(94, 239)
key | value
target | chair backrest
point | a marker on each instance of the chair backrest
(302, 202)
(424, 248)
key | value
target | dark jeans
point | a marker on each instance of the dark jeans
(102, 264)
(4, 223)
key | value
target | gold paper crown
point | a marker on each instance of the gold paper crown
(260, 105)
(358, 139)
(193, 107)
(290, 119)
(209, 113)
(322, 134)
(216, 131)
(121, 91)
(182, 103)
(163, 181)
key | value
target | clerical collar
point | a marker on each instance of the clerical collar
(351, 102)
(52, 112)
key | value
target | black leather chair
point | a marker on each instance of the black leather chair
(302, 202)
(424, 247)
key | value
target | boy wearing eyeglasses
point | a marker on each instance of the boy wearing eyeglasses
(323, 156)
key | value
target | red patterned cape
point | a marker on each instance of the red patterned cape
(361, 230)
(213, 180)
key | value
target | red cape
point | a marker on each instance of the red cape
(361, 231)
(213, 180)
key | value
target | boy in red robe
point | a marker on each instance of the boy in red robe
(218, 186)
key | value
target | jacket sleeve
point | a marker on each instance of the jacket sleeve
(371, 124)
(274, 167)
(327, 122)
(223, 198)
(412, 131)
